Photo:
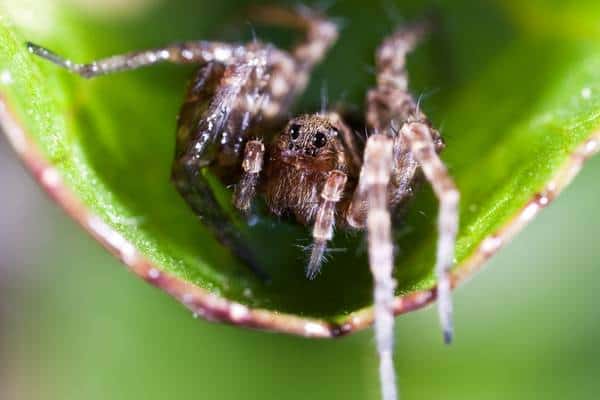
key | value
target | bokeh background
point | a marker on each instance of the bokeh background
(74, 324)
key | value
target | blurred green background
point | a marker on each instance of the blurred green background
(74, 324)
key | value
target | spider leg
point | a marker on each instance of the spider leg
(390, 100)
(323, 229)
(387, 178)
(210, 105)
(420, 138)
(390, 104)
(321, 33)
(290, 72)
(377, 169)
(196, 52)
(416, 144)
(251, 166)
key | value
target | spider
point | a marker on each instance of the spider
(310, 167)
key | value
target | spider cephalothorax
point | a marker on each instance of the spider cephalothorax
(312, 169)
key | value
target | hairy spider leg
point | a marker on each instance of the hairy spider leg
(419, 137)
(322, 232)
(390, 106)
(192, 52)
(417, 143)
(290, 72)
(377, 169)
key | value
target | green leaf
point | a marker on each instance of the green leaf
(513, 86)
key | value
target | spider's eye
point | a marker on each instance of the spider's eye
(295, 131)
(320, 139)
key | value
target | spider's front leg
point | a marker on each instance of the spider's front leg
(193, 52)
(422, 145)
(416, 144)
(392, 156)
(375, 177)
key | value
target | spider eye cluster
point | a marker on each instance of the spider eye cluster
(309, 137)
(319, 140)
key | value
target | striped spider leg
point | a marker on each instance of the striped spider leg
(403, 146)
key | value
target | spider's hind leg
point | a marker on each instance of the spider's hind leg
(291, 70)
(321, 33)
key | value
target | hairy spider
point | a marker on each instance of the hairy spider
(310, 167)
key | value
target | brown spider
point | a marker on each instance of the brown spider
(234, 120)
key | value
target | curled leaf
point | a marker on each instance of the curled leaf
(517, 99)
